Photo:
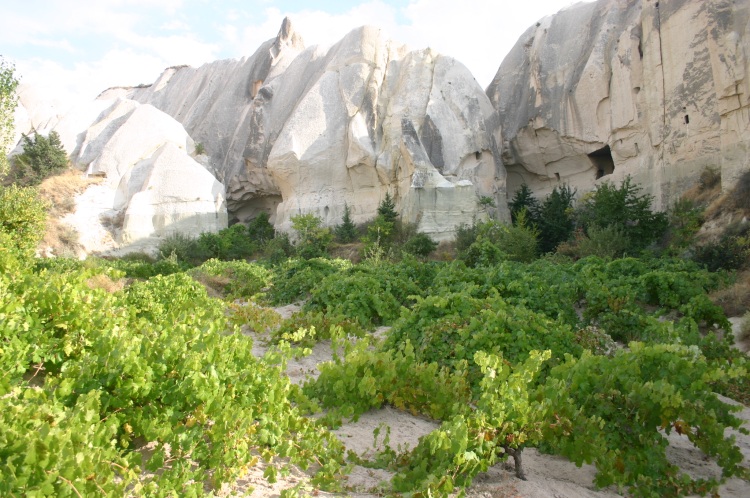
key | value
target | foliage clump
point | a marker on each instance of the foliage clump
(41, 157)
(346, 232)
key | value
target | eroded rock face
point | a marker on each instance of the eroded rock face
(152, 184)
(296, 131)
(655, 90)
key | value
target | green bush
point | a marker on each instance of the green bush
(8, 103)
(625, 208)
(312, 239)
(346, 232)
(387, 208)
(260, 231)
(553, 218)
(41, 157)
(295, 278)
(178, 245)
(22, 218)
(685, 219)
(609, 242)
(370, 294)
(497, 242)
(243, 279)
(523, 200)
(420, 245)
(727, 253)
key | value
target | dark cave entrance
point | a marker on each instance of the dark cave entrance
(602, 161)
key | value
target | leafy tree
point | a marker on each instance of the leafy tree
(523, 199)
(313, 239)
(387, 208)
(8, 103)
(346, 232)
(554, 218)
(626, 208)
(41, 157)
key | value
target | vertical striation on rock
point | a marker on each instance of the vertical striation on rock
(653, 89)
(294, 130)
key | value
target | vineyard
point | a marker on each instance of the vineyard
(114, 385)
(168, 377)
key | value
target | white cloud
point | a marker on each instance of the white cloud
(476, 32)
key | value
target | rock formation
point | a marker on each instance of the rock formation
(655, 90)
(157, 188)
(658, 90)
(292, 131)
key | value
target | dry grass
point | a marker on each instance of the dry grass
(352, 252)
(59, 192)
(446, 251)
(102, 281)
(215, 285)
(735, 299)
(736, 200)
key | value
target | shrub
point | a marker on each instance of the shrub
(278, 249)
(41, 157)
(369, 294)
(346, 232)
(295, 278)
(466, 235)
(242, 279)
(8, 103)
(199, 149)
(379, 238)
(387, 208)
(420, 245)
(728, 253)
(553, 218)
(626, 208)
(260, 229)
(685, 219)
(313, 239)
(22, 217)
(496, 242)
(609, 243)
(178, 245)
(523, 200)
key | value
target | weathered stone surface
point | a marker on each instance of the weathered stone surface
(169, 193)
(152, 184)
(292, 130)
(656, 90)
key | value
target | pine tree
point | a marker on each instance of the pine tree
(346, 232)
(523, 199)
(387, 208)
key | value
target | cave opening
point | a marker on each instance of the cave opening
(602, 161)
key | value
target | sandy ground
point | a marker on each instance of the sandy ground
(548, 476)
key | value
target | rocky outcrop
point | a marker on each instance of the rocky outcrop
(658, 90)
(292, 130)
(152, 185)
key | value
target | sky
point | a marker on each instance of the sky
(71, 50)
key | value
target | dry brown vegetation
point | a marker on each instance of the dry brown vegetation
(59, 193)
(734, 299)
(352, 252)
(103, 281)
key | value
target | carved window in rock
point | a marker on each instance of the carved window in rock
(602, 161)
